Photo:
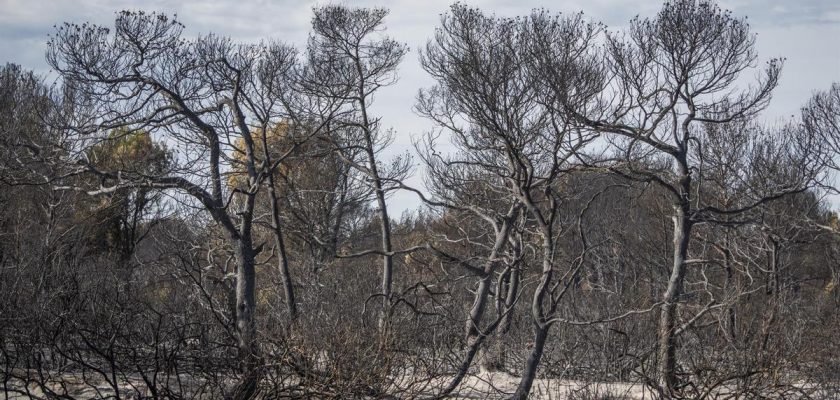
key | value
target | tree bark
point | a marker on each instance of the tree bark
(773, 301)
(667, 320)
(279, 242)
(387, 257)
(482, 294)
(474, 337)
(246, 328)
(384, 219)
(533, 362)
(246, 302)
(286, 275)
(507, 289)
(541, 326)
(727, 266)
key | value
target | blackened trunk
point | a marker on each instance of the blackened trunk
(533, 362)
(507, 290)
(482, 294)
(387, 257)
(286, 275)
(541, 326)
(282, 256)
(667, 321)
(773, 287)
(727, 266)
(246, 328)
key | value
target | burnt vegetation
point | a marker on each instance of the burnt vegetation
(604, 214)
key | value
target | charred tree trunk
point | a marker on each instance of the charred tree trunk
(507, 290)
(475, 337)
(379, 191)
(285, 274)
(668, 315)
(387, 257)
(541, 326)
(483, 293)
(279, 242)
(533, 362)
(246, 303)
(773, 291)
(727, 266)
(245, 309)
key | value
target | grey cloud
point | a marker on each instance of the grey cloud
(786, 13)
(784, 27)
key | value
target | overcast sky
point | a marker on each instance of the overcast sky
(806, 32)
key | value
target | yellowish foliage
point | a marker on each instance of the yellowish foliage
(238, 178)
(129, 151)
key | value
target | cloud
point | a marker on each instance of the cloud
(806, 32)
(787, 13)
(784, 29)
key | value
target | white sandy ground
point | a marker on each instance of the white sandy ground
(484, 385)
(499, 385)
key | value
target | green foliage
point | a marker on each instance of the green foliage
(121, 213)
(130, 151)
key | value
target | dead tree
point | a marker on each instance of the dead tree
(821, 117)
(199, 96)
(505, 123)
(672, 78)
(349, 62)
